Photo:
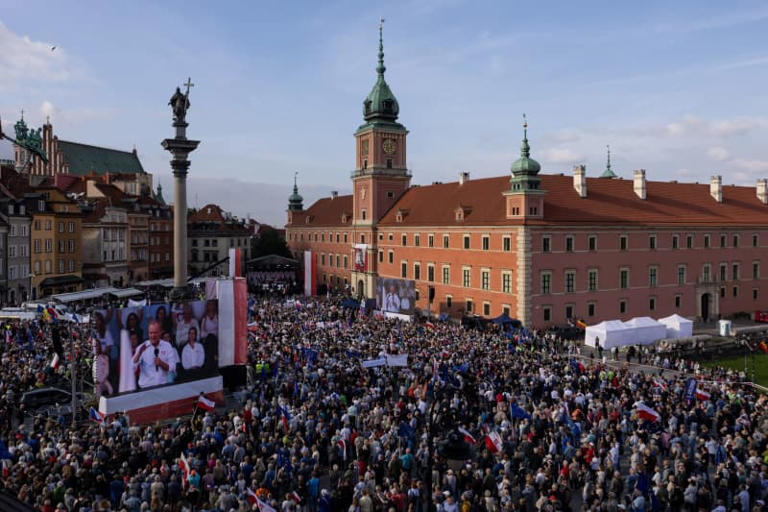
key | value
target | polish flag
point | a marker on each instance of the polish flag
(205, 403)
(646, 412)
(702, 395)
(343, 445)
(467, 436)
(184, 466)
(296, 497)
(55, 361)
(659, 383)
(493, 442)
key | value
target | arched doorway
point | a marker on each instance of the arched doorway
(360, 289)
(705, 303)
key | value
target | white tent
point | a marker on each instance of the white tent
(646, 330)
(677, 326)
(612, 333)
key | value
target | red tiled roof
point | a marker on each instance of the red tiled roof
(324, 212)
(608, 201)
(208, 213)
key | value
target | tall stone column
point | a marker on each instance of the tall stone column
(180, 147)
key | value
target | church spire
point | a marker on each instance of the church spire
(608, 173)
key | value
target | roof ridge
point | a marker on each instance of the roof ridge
(99, 147)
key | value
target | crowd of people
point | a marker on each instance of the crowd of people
(318, 430)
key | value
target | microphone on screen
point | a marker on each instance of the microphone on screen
(157, 353)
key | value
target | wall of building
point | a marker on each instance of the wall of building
(499, 259)
(641, 295)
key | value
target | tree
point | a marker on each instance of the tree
(270, 242)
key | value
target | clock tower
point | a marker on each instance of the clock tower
(381, 175)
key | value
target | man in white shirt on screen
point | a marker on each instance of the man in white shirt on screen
(392, 301)
(155, 358)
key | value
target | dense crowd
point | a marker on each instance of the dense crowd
(317, 431)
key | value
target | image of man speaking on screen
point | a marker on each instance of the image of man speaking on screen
(155, 359)
(392, 300)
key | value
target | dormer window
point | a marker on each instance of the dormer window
(367, 105)
(344, 218)
(461, 213)
(400, 216)
(388, 106)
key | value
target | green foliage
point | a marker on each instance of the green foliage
(270, 242)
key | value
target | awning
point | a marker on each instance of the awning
(126, 292)
(50, 282)
(93, 293)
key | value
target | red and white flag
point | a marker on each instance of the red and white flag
(659, 383)
(702, 395)
(646, 413)
(184, 466)
(296, 497)
(493, 442)
(55, 361)
(264, 507)
(467, 436)
(343, 445)
(251, 497)
(205, 403)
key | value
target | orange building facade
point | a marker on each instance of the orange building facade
(541, 247)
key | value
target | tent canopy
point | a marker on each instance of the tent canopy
(677, 326)
(504, 319)
(646, 330)
(611, 333)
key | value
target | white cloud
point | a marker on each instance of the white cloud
(718, 153)
(22, 59)
(753, 166)
(561, 156)
(738, 126)
(47, 109)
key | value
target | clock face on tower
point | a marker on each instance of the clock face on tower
(389, 146)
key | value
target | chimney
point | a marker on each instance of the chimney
(580, 180)
(762, 190)
(639, 183)
(463, 177)
(334, 194)
(716, 188)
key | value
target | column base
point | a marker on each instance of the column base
(181, 293)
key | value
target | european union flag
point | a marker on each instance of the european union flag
(518, 412)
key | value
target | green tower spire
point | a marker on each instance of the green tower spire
(608, 173)
(525, 170)
(381, 104)
(295, 201)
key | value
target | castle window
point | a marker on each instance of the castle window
(365, 163)
(389, 163)
(390, 195)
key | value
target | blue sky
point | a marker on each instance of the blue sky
(677, 88)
